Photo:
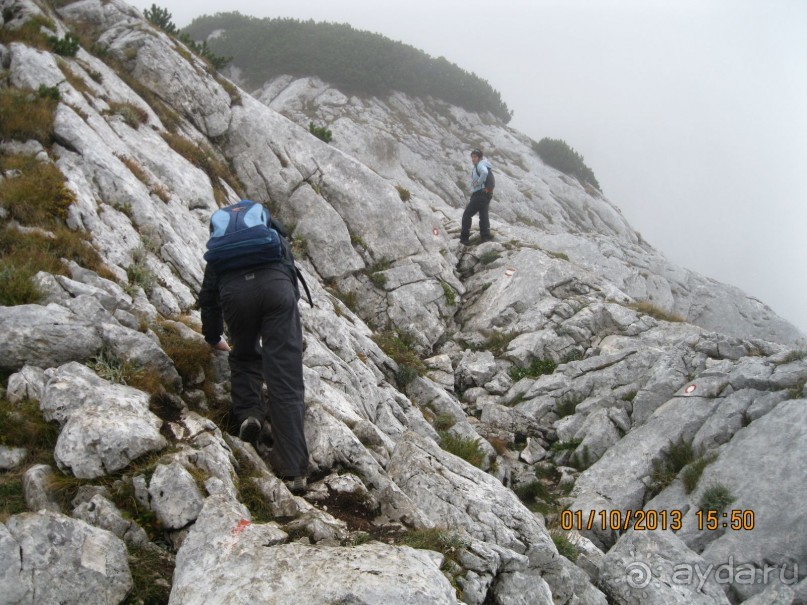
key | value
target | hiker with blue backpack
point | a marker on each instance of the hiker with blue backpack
(482, 184)
(250, 283)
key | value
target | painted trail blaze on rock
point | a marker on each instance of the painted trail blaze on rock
(241, 526)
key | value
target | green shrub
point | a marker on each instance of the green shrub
(321, 132)
(405, 375)
(162, 19)
(561, 156)
(450, 293)
(562, 446)
(49, 92)
(537, 368)
(353, 61)
(67, 46)
(379, 279)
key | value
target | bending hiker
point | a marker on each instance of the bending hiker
(481, 194)
(250, 283)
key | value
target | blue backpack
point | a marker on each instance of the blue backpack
(241, 236)
(244, 235)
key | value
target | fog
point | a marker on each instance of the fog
(691, 113)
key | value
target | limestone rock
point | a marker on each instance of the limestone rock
(50, 558)
(267, 568)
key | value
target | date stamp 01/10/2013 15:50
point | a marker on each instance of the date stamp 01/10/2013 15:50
(651, 520)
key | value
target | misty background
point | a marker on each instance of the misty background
(692, 114)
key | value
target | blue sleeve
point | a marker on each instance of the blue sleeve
(480, 172)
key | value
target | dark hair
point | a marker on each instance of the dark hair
(477, 153)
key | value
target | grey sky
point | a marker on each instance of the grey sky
(691, 113)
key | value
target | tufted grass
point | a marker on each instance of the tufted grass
(679, 454)
(203, 156)
(404, 193)
(26, 115)
(152, 574)
(30, 33)
(139, 274)
(567, 405)
(437, 539)
(23, 425)
(648, 308)
(692, 472)
(716, 497)
(133, 115)
(466, 448)
(564, 546)
(35, 196)
(400, 346)
(536, 496)
(190, 357)
(34, 192)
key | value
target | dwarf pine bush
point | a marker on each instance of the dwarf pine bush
(558, 154)
(321, 132)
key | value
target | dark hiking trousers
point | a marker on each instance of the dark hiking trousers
(479, 203)
(260, 309)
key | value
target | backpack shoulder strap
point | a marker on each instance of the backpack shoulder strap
(301, 279)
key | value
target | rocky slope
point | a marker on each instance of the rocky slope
(530, 356)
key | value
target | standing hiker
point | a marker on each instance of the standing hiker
(480, 199)
(250, 282)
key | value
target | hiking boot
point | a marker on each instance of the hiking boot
(296, 485)
(250, 430)
(465, 242)
(487, 238)
(266, 437)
